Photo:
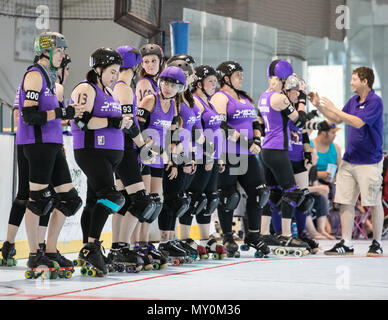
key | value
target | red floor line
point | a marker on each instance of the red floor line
(197, 270)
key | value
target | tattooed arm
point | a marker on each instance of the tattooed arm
(143, 89)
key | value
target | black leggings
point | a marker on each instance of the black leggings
(99, 166)
(251, 176)
(171, 188)
(279, 175)
(19, 204)
(203, 181)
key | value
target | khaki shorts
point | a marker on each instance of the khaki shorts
(355, 178)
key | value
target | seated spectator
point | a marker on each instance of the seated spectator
(321, 204)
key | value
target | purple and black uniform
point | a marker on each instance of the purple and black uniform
(247, 171)
(42, 144)
(98, 153)
(159, 123)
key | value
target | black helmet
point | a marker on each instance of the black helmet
(226, 69)
(104, 57)
(186, 67)
(202, 72)
(151, 48)
(185, 57)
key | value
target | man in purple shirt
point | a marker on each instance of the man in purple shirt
(362, 165)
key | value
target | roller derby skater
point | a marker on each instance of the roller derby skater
(276, 108)
(242, 131)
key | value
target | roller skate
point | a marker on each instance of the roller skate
(230, 245)
(273, 242)
(313, 245)
(142, 250)
(39, 265)
(176, 255)
(91, 260)
(66, 267)
(159, 260)
(293, 246)
(192, 253)
(8, 252)
(127, 260)
(215, 250)
(200, 249)
(256, 241)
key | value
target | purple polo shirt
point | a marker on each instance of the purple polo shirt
(365, 145)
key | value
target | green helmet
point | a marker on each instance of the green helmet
(49, 41)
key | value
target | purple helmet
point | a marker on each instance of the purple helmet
(131, 56)
(280, 68)
(175, 75)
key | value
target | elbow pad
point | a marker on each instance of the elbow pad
(33, 117)
(301, 121)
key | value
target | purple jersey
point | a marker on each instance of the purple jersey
(50, 132)
(105, 105)
(189, 119)
(296, 152)
(198, 148)
(277, 131)
(159, 124)
(211, 121)
(240, 116)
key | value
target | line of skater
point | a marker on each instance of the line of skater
(172, 146)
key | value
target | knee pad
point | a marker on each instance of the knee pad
(307, 205)
(42, 201)
(198, 202)
(275, 197)
(181, 204)
(259, 196)
(124, 208)
(111, 199)
(158, 207)
(68, 202)
(229, 199)
(141, 205)
(294, 196)
(212, 203)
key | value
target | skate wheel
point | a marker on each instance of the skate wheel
(120, 268)
(91, 273)
(148, 267)
(84, 271)
(10, 262)
(280, 252)
(68, 274)
(29, 274)
(237, 254)
(77, 263)
(204, 257)
(244, 247)
(259, 254)
(216, 256)
(15, 262)
(53, 275)
(298, 253)
(156, 266)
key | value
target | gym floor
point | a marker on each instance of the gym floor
(245, 278)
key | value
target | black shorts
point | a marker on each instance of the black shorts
(129, 169)
(277, 168)
(154, 172)
(47, 164)
(99, 166)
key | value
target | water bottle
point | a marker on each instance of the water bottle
(294, 230)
